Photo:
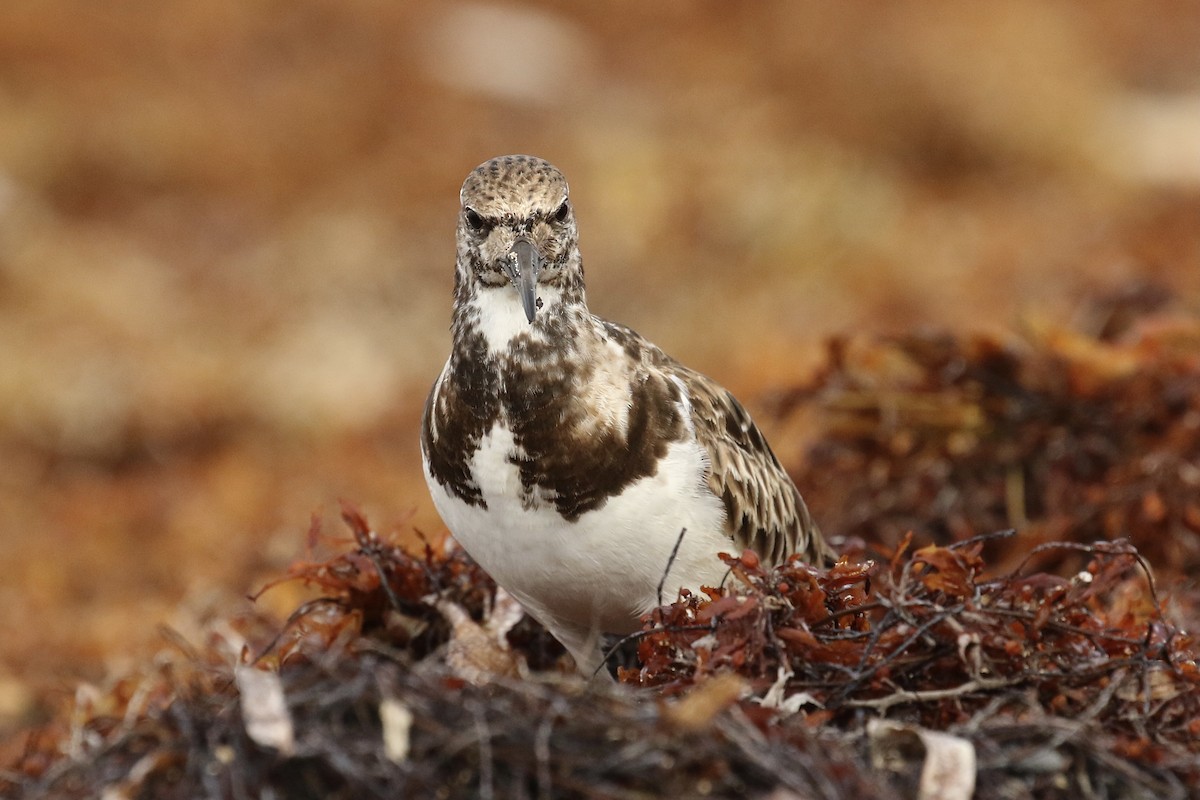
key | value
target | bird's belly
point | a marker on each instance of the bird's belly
(602, 570)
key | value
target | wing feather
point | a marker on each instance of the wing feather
(764, 510)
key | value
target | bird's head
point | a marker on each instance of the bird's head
(516, 233)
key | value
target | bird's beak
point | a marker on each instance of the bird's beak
(524, 263)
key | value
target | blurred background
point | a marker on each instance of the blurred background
(226, 238)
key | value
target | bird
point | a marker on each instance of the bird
(581, 466)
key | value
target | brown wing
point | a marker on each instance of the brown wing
(763, 507)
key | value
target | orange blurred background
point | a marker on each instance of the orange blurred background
(226, 238)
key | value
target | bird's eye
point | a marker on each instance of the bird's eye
(474, 221)
(561, 214)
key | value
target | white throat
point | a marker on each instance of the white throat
(500, 318)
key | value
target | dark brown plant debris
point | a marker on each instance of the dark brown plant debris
(768, 684)
(1060, 434)
(1080, 667)
(182, 730)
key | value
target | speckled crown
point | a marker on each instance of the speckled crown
(514, 185)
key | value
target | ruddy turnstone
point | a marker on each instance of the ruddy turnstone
(566, 453)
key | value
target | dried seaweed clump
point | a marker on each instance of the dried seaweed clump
(1073, 684)
(1063, 435)
(793, 679)
(359, 697)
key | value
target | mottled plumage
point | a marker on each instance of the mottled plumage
(566, 453)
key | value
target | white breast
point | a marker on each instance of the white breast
(601, 571)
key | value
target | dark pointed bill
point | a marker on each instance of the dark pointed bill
(524, 265)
